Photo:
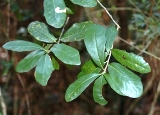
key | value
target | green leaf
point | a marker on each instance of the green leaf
(111, 34)
(123, 81)
(76, 32)
(55, 12)
(55, 63)
(43, 70)
(132, 61)
(88, 67)
(40, 31)
(21, 46)
(30, 61)
(95, 41)
(77, 87)
(97, 90)
(85, 3)
(113, 84)
(66, 54)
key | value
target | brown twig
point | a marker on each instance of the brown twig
(150, 54)
(26, 95)
(151, 112)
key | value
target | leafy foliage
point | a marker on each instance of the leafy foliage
(99, 43)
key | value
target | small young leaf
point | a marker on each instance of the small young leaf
(111, 34)
(55, 63)
(132, 61)
(21, 46)
(123, 81)
(88, 67)
(40, 31)
(43, 70)
(95, 40)
(77, 87)
(66, 54)
(97, 90)
(85, 3)
(30, 61)
(55, 12)
(76, 32)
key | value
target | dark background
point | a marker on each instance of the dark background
(24, 96)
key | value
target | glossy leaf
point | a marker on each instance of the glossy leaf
(113, 84)
(123, 81)
(55, 12)
(132, 61)
(97, 90)
(30, 61)
(76, 32)
(55, 63)
(40, 31)
(21, 46)
(66, 54)
(77, 87)
(95, 41)
(85, 3)
(43, 70)
(111, 34)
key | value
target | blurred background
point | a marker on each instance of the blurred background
(20, 94)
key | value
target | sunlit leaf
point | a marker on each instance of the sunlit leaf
(55, 12)
(66, 54)
(77, 87)
(43, 70)
(76, 32)
(30, 61)
(40, 31)
(123, 81)
(85, 3)
(97, 90)
(21, 46)
(132, 61)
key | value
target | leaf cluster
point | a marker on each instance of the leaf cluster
(98, 41)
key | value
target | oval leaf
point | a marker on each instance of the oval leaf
(77, 87)
(66, 54)
(55, 12)
(21, 46)
(113, 84)
(111, 34)
(30, 61)
(76, 32)
(43, 70)
(85, 3)
(97, 90)
(95, 41)
(132, 61)
(125, 82)
(40, 31)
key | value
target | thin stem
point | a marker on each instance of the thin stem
(109, 14)
(63, 30)
(3, 105)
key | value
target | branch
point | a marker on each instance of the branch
(109, 14)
